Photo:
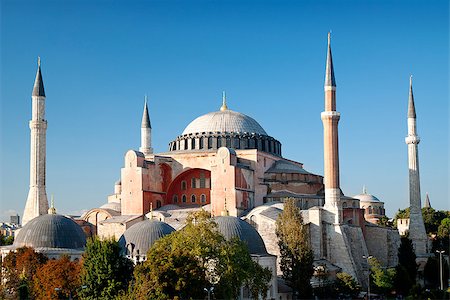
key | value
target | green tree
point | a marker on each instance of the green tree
(346, 285)
(104, 271)
(183, 263)
(444, 228)
(295, 250)
(382, 279)
(406, 270)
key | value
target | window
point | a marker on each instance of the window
(202, 180)
(183, 198)
(183, 185)
(344, 205)
(193, 185)
(201, 143)
(193, 199)
(203, 198)
(175, 199)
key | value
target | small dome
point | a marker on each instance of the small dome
(51, 231)
(224, 121)
(141, 236)
(366, 198)
(231, 227)
(112, 205)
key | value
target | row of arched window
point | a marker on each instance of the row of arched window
(193, 198)
(196, 183)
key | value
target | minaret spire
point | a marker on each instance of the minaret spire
(330, 118)
(224, 102)
(417, 231)
(37, 203)
(427, 202)
(146, 131)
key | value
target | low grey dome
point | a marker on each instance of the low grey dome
(137, 239)
(366, 198)
(112, 205)
(51, 231)
(231, 227)
(224, 121)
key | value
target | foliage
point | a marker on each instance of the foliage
(19, 268)
(431, 218)
(346, 285)
(295, 250)
(184, 263)
(104, 271)
(57, 278)
(444, 228)
(432, 271)
(384, 221)
(381, 279)
(6, 240)
(406, 270)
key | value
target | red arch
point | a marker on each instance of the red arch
(175, 188)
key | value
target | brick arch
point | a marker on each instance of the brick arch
(198, 183)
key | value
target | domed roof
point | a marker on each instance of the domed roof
(141, 236)
(231, 227)
(112, 205)
(366, 198)
(51, 231)
(224, 121)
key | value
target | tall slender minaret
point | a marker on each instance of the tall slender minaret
(37, 203)
(416, 226)
(146, 132)
(330, 118)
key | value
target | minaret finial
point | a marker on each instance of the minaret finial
(151, 210)
(39, 61)
(225, 211)
(224, 102)
(52, 209)
(364, 189)
(411, 106)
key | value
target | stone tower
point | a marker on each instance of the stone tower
(416, 227)
(330, 118)
(37, 203)
(146, 132)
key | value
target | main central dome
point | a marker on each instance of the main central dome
(225, 128)
(224, 121)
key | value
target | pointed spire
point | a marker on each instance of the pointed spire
(38, 89)
(411, 107)
(224, 102)
(427, 202)
(364, 189)
(145, 117)
(151, 210)
(225, 211)
(329, 72)
(52, 209)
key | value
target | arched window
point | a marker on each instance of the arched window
(158, 203)
(201, 143)
(228, 142)
(193, 185)
(175, 199)
(192, 143)
(219, 142)
(183, 198)
(203, 198)
(210, 142)
(183, 185)
(193, 199)
(344, 205)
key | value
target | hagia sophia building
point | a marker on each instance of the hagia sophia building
(226, 163)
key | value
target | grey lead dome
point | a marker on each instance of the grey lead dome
(224, 121)
(51, 231)
(141, 236)
(231, 227)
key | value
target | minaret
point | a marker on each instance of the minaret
(146, 132)
(416, 227)
(330, 118)
(427, 202)
(37, 203)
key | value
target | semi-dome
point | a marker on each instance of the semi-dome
(137, 239)
(51, 231)
(224, 121)
(231, 227)
(366, 198)
(225, 128)
(112, 205)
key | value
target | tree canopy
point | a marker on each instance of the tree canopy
(382, 280)
(295, 250)
(184, 263)
(104, 271)
(406, 270)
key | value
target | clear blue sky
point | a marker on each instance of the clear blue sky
(99, 58)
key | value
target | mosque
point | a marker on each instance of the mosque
(226, 163)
